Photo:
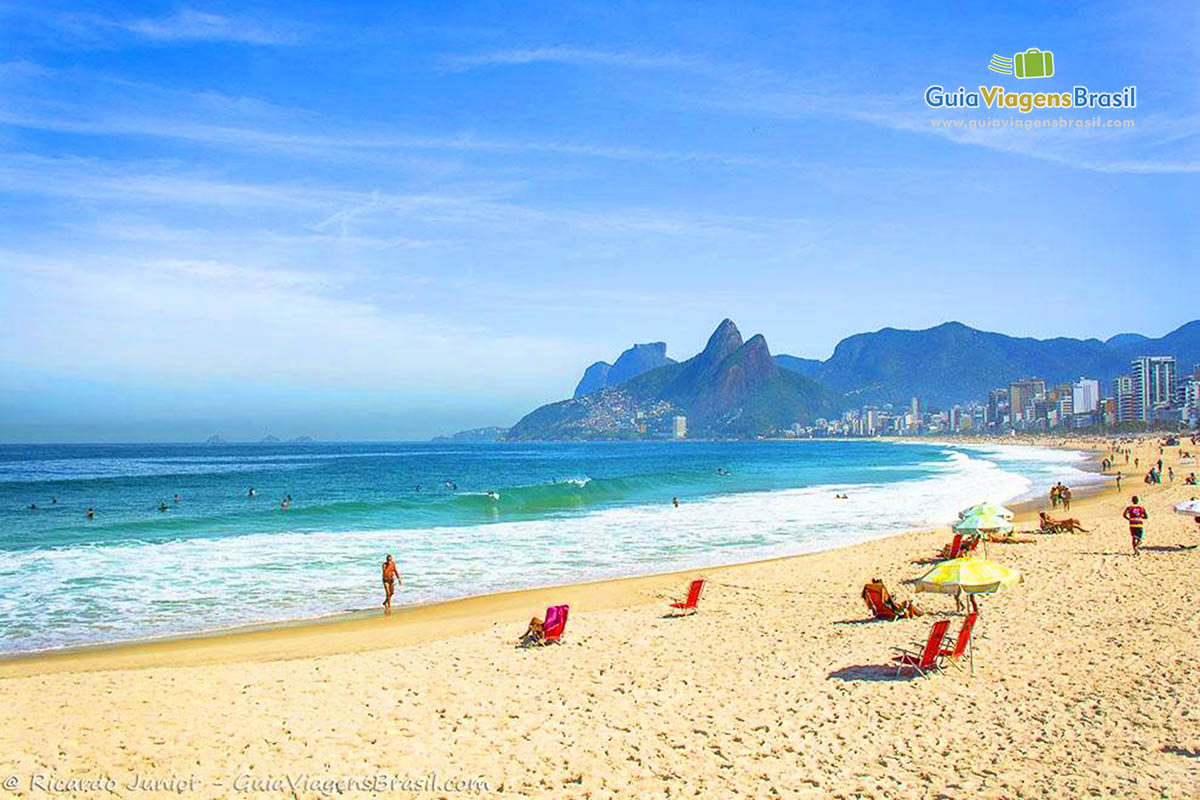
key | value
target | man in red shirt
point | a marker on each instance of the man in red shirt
(1137, 521)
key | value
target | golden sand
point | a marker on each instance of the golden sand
(1087, 682)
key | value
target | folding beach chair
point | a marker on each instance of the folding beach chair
(555, 624)
(876, 597)
(689, 606)
(927, 660)
(960, 644)
(955, 547)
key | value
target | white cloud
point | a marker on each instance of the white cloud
(212, 321)
(186, 24)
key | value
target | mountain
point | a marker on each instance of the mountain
(953, 363)
(808, 367)
(636, 360)
(491, 434)
(1125, 339)
(731, 388)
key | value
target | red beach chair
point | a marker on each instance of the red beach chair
(927, 660)
(689, 605)
(555, 624)
(960, 644)
(955, 547)
(875, 596)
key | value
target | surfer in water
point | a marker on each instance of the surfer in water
(90, 513)
(391, 576)
(287, 503)
(493, 495)
(675, 501)
(251, 493)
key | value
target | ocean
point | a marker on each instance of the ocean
(558, 513)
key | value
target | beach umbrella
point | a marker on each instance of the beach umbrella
(978, 523)
(989, 509)
(970, 575)
(1189, 509)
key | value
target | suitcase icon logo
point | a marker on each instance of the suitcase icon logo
(1033, 63)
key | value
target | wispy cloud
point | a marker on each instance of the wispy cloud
(185, 25)
(577, 56)
(759, 91)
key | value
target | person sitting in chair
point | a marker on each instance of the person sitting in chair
(876, 587)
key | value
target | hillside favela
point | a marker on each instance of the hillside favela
(583, 400)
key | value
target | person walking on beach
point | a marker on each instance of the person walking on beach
(1118, 481)
(1136, 515)
(1064, 495)
(675, 501)
(391, 576)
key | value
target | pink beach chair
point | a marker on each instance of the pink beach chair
(555, 624)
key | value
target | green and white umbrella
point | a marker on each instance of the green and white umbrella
(985, 508)
(979, 523)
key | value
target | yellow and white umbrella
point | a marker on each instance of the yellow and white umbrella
(985, 508)
(971, 575)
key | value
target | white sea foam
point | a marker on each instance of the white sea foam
(81, 594)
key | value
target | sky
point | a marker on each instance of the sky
(354, 221)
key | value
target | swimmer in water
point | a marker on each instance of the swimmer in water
(33, 506)
(675, 501)
(176, 499)
(493, 495)
(90, 513)
(162, 506)
(251, 493)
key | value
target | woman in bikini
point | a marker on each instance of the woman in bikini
(391, 576)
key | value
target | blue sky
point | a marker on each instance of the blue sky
(353, 221)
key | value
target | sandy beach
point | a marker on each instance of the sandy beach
(1085, 684)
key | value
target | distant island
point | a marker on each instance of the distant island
(268, 439)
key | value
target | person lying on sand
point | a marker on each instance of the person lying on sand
(1070, 525)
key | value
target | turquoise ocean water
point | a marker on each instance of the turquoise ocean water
(559, 513)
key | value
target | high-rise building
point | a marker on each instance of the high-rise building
(1085, 396)
(1155, 380)
(1125, 400)
(916, 413)
(1022, 396)
(680, 427)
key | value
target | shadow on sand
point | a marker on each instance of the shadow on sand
(869, 672)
